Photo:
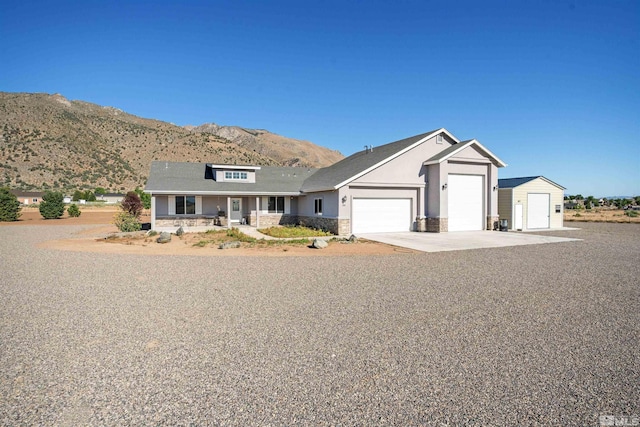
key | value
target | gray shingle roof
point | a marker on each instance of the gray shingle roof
(174, 177)
(328, 178)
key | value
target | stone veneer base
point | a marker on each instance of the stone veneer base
(437, 225)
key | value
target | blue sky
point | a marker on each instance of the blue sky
(550, 87)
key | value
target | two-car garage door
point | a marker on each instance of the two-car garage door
(381, 215)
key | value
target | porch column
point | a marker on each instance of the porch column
(257, 212)
(153, 212)
(228, 212)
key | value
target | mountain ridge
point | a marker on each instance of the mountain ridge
(50, 142)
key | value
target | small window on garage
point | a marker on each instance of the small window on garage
(558, 208)
(318, 206)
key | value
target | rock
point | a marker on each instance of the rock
(352, 239)
(165, 237)
(230, 245)
(180, 231)
(319, 244)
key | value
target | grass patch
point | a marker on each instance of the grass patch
(240, 236)
(294, 242)
(289, 231)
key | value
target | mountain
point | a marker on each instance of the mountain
(287, 151)
(48, 141)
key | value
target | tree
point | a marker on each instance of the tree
(145, 198)
(99, 191)
(78, 195)
(9, 205)
(132, 204)
(89, 196)
(74, 211)
(52, 205)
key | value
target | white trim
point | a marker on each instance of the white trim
(254, 168)
(388, 159)
(171, 208)
(462, 147)
(198, 205)
(224, 193)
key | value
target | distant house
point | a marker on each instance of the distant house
(428, 182)
(531, 203)
(28, 197)
(110, 198)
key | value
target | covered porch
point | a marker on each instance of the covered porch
(200, 212)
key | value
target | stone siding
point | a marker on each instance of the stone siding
(188, 222)
(332, 225)
(437, 225)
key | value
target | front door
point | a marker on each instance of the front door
(236, 210)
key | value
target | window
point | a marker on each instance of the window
(318, 206)
(276, 204)
(185, 205)
(235, 175)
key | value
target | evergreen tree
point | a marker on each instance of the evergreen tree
(52, 205)
(9, 205)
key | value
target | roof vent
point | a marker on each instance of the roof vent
(368, 148)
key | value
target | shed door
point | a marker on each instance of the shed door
(466, 202)
(381, 215)
(538, 210)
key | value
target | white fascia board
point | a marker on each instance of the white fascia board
(462, 147)
(225, 193)
(388, 159)
(552, 183)
(255, 168)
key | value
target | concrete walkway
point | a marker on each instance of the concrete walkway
(461, 240)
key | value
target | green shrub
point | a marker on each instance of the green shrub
(127, 222)
(631, 214)
(52, 205)
(9, 205)
(73, 211)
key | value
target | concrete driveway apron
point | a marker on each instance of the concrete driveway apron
(460, 240)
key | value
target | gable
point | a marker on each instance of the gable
(406, 168)
(470, 153)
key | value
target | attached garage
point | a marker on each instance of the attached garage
(466, 202)
(371, 215)
(531, 203)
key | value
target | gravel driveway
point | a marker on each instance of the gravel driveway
(526, 335)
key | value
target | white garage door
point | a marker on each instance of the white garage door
(538, 210)
(466, 202)
(381, 215)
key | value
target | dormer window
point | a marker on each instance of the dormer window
(242, 176)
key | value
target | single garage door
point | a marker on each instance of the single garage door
(538, 210)
(381, 215)
(466, 202)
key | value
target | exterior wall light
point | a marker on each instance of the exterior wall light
(444, 187)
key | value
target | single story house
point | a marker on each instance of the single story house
(110, 198)
(531, 203)
(28, 197)
(428, 182)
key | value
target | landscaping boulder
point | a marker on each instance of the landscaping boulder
(319, 244)
(230, 245)
(165, 237)
(352, 239)
(180, 231)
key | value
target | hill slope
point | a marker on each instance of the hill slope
(47, 141)
(287, 151)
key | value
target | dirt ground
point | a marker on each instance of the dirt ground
(97, 239)
(599, 215)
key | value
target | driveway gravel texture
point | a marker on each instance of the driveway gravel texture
(528, 335)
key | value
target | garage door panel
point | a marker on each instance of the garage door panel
(466, 202)
(381, 215)
(538, 210)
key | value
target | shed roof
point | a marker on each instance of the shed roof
(516, 182)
